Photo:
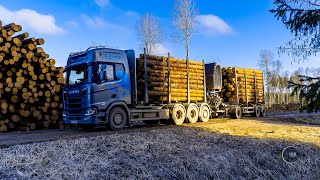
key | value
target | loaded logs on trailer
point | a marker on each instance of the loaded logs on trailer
(157, 68)
(30, 83)
(242, 85)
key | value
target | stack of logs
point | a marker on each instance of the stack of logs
(30, 84)
(157, 68)
(249, 83)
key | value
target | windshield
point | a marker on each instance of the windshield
(77, 75)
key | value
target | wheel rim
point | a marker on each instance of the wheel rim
(257, 112)
(204, 114)
(239, 113)
(117, 119)
(193, 113)
(264, 112)
(178, 114)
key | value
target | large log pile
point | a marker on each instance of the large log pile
(30, 83)
(244, 82)
(157, 68)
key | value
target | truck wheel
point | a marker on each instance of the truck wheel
(178, 114)
(192, 113)
(117, 118)
(237, 114)
(204, 114)
(263, 112)
(257, 112)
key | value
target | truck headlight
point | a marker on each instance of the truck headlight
(91, 111)
(64, 113)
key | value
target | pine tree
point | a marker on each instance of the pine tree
(308, 91)
(302, 18)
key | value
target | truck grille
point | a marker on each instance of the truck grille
(74, 106)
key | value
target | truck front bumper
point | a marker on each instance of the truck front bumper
(92, 119)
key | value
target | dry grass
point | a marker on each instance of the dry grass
(172, 153)
(300, 118)
(277, 128)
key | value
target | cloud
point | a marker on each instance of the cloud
(161, 50)
(102, 3)
(94, 22)
(73, 23)
(132, 14)
(212, 25)
(31, 20)
(100, 23)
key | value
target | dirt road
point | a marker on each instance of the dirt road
(275, 126)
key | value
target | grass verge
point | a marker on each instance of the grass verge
(173, 153)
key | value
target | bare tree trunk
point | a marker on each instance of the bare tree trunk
(188, 78)
(269, 99)
(185, 14)
(274, 96)
(149, 34)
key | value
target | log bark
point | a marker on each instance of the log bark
(30, 84)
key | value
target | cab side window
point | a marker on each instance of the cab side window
(119, 71)
(106, 72)
(101, 72)
(109, 73)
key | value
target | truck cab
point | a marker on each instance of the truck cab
(97, 80)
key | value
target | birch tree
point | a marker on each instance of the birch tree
(266, 59)
(185, 20)
(149, 33)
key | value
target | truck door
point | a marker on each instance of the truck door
(110, 83)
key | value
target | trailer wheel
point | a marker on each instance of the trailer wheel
(117, 118)
(257, 112)
(263, 112)
(192, 113)
(204, 114)
(178, 114)
(237, 114)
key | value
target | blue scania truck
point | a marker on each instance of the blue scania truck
(101, 89)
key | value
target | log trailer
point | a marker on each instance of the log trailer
(103, 88)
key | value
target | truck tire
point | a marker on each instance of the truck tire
(178, 114)
(263, 112)
(237, 114)
(192, 113)
(257, 112)
(204, 114)
(117, 118)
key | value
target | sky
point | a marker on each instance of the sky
(231, 32)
